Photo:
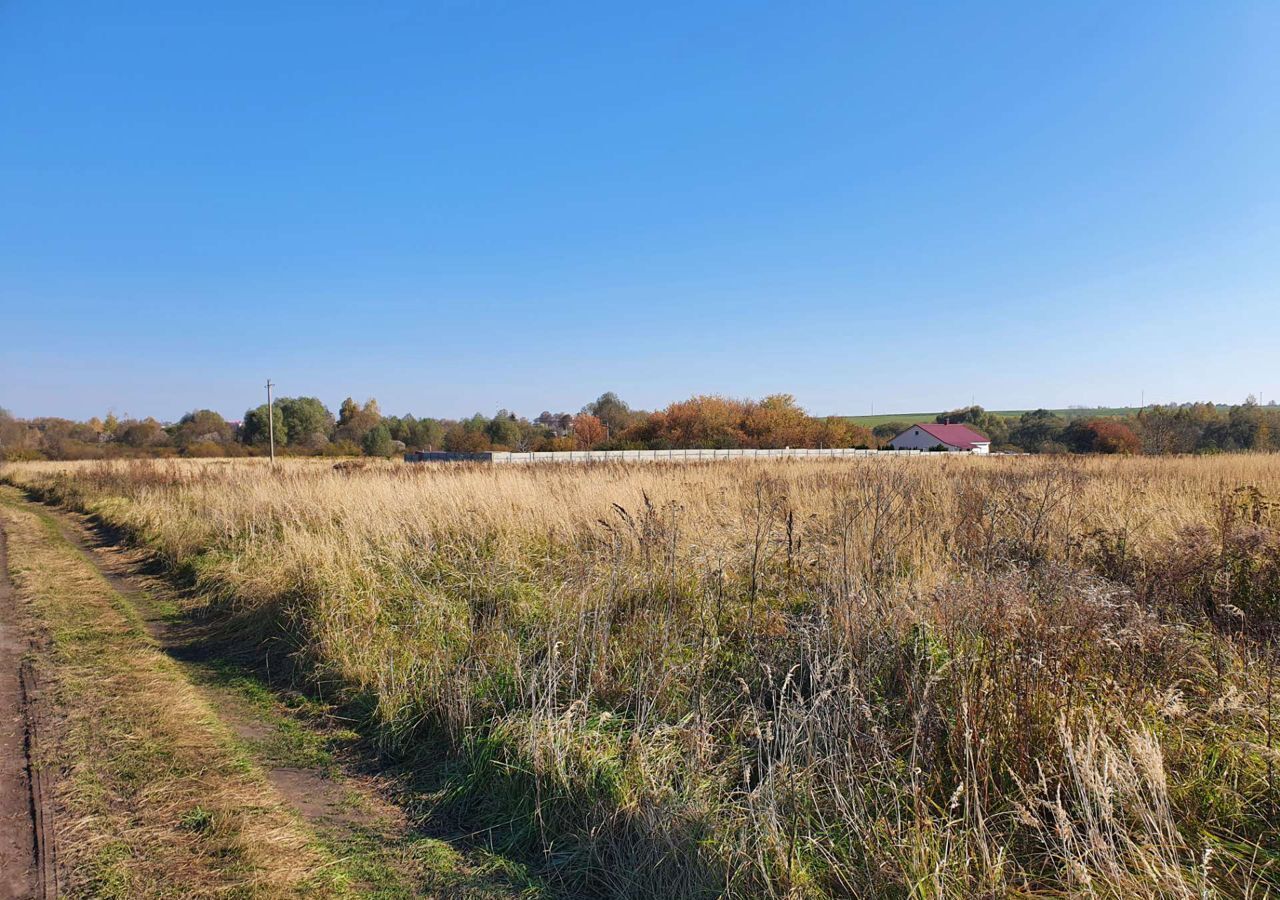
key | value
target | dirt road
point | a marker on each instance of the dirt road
(17, 823)
(178, 765)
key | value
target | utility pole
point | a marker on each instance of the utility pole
(271, 423)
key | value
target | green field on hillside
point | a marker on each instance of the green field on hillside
(1091, 412)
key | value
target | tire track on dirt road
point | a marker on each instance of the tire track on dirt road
(26, 851)
(358, 812)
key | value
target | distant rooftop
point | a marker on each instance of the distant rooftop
(961, 436)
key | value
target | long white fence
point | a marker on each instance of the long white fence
(600, 456)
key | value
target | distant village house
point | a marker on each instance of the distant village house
(953, 438)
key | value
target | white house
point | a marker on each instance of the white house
(955, 438)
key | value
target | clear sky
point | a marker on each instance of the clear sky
(460, 206)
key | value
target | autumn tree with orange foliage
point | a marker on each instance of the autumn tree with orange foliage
(560, 444)
(712, 422)
(588, 431)
(778, 421)
(1110, 436)
(834, 431)
(700, 422)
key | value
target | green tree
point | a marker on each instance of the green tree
(307, 420)
(887, 431)
(467, 436)
(254, 429)
(146, 433)
(354, 422)
(994, 427)
(503, 430)
(348, 411)
(401, 427)
(1036, 429)
(202, 426)
(425, 434)
(377, 441)
(612, 411)
(1247, 426)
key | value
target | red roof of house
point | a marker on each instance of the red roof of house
(961, 436)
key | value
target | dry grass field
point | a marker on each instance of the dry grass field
(932, 677)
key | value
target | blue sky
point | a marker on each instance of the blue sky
(470, 205)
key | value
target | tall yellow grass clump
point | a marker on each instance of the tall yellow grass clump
(936, 676)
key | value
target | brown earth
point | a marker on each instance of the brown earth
(19, 846)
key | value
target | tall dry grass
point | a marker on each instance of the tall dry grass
(925, 677)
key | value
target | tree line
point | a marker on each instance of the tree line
(305, 426)
(1158, 430)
